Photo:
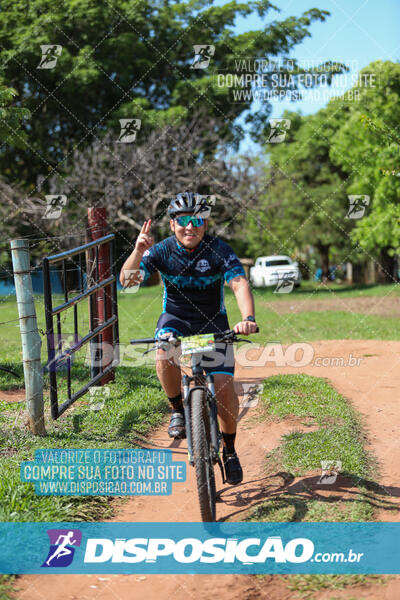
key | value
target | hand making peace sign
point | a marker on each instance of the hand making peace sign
(144, 240)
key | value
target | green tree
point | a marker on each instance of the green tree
(11, 118)
(367, 148)
(125, 59)
(305, 199)
(11, 135)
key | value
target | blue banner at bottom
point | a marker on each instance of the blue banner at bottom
(179, 548)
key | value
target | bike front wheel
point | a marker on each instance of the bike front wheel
(201, 441)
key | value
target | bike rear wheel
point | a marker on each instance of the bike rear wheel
(201, 440)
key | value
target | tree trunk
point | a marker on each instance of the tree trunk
(323, 250)
(387, 267)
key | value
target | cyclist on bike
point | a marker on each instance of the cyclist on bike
(193, 266)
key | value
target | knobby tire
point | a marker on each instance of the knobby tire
(201, 440)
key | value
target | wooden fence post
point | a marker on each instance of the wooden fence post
(97, 228)
(31, 342)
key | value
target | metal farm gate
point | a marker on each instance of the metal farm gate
(94, 264)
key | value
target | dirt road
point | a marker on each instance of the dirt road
(373, 388)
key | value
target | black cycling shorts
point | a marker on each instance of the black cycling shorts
(222, 360)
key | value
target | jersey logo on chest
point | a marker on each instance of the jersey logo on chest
(202, 265)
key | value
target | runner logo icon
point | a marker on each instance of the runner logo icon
(50, 54)
(129, 129)
(203, 54)
(55, 205)
(279, 129)
(357, 206)
(61, 551)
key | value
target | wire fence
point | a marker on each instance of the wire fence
(7, 275)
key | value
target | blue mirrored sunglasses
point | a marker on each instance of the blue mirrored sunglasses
(184, 221)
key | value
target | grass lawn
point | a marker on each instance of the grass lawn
(137, 404)
(306, 586)
(326, 324)
(318, 290)
(138, 315)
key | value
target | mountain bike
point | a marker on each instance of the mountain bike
(201, 414)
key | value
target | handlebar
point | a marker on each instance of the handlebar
(227, 336)
(230, 336)
(143, 341)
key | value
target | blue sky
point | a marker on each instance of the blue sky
(357, 30)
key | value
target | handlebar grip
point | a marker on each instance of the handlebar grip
(143, 341)
(258, 329)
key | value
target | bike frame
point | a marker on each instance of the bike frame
(206, 383)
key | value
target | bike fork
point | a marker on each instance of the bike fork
(186, 410)
(214, 428)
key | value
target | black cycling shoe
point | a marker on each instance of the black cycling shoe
(176, 427)
(233, 470)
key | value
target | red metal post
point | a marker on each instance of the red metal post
(97, 228)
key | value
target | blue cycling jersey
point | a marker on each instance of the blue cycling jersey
(193, 280)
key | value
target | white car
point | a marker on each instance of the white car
(269, 270)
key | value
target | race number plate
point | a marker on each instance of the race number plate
(198, 343)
